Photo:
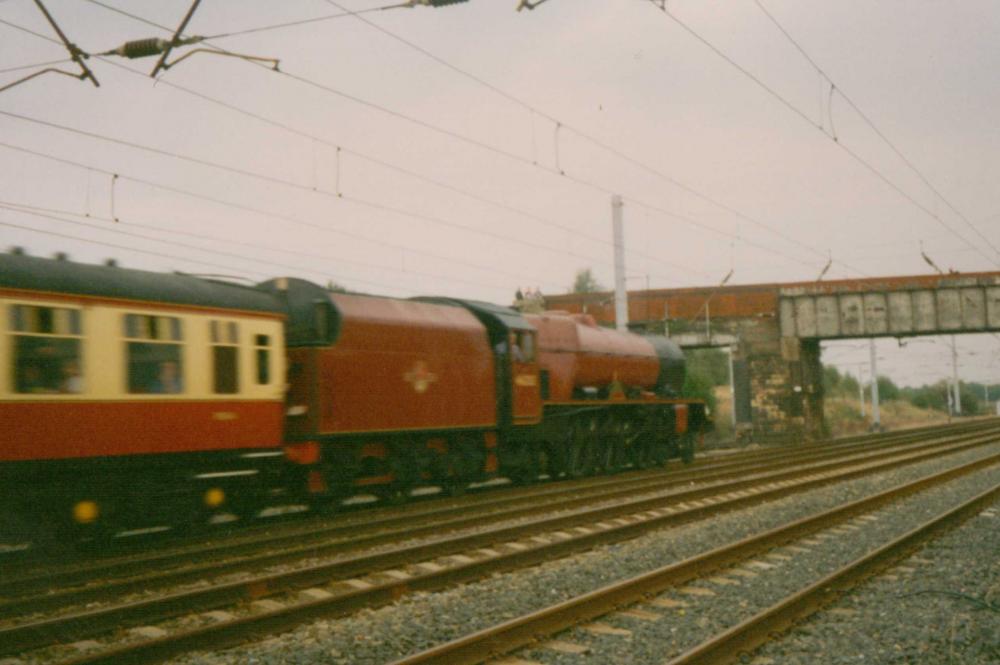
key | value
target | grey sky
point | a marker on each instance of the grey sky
(619, 71)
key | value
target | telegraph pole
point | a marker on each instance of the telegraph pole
(954, 377)
(876, 416)
(861, 390)
(732, 386)
(951, 399)
(621, 297)
(957, 401)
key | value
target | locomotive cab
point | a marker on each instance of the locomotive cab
(515, 348)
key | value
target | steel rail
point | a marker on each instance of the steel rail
(362, 564)
(35, 593)
(15, 580)
(758, 629)
(520, 632)
(379, 593)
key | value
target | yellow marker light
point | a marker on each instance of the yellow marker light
(85, 512)
(214, 497)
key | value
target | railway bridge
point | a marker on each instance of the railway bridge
(774, 331)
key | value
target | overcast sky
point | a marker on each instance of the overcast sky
(447, 178)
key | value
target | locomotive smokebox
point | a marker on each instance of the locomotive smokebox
(673, 368)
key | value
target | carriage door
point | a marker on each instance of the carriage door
(527, 402)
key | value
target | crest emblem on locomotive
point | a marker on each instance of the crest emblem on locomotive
(420, 377)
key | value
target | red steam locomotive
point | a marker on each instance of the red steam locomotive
(391, 393)
(134, 398)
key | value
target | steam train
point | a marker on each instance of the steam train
(132, 398)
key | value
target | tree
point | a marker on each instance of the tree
(843, 384)
(699, 386)
(972, 400)
(928, 397)
(585, 282)
(887, 390)
(831, 380)
(848, 385)
(712, 364)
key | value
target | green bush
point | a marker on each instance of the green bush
(698, 385)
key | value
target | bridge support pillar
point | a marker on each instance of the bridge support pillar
(786, 385)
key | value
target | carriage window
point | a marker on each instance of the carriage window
(153, 348)
(46, 349)
(225, 365)
(262, 344)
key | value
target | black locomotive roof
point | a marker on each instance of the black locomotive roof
(505, 317)
(30, 273)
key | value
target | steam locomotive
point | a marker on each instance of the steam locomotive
(130, 397)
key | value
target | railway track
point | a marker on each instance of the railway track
(193, 619)
(727, 564)
(670, 589)
(31, 579)
(49, 589)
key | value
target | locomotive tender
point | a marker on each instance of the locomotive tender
(133, 398)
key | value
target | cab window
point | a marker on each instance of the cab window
(225, 337)
(46, 349)
(522, 346)
(153, 354)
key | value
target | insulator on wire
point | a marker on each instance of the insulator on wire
(141, 48)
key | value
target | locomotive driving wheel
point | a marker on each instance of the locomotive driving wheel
(465, 461)
(580, 450)
(641, 448)
(616, 454)
(405, 468)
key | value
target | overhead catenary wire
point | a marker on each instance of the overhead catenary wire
(273, 26)
(380, 162)
(51, 213)
(819, 126)
(660, 210)
(264, 213)
(92, 241)
(36, 65)
(500, 205)
(117, 230)
(864, 116)
(241, 272)
(561, 125)
(502, 152)
(295, 185)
